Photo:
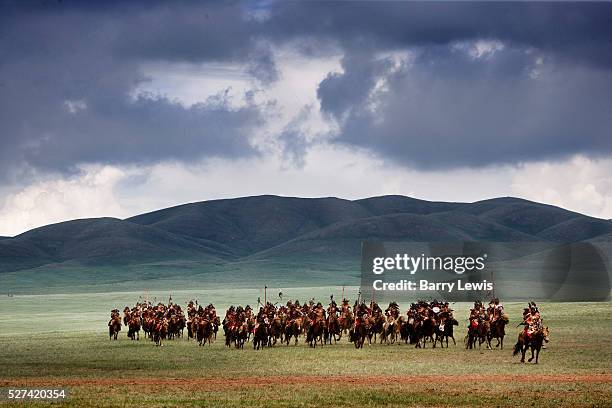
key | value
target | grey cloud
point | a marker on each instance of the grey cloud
(294, 140)
(446, 108)
(576, 31)
(66, 98)
(67, 70)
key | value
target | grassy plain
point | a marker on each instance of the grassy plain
(575, 370)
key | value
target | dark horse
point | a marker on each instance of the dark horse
(293, 329)
(276, 331)
(533, 342)
(260, 337)
(445, 331)
(204, 332)
(315, 333)
(160, 332)
(114, 327)
(498, 331)
(134, 328)
(472, 335)
(426, 332)
(333, 329)
(358, 335)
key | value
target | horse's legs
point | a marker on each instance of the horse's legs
(537, 354)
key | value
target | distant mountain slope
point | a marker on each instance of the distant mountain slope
(434, 227)
(521, 215)
(395, 204)
(577, 229)
(98, 240)
(252, 224)
(272, 227)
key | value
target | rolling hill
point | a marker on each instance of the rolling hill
(280, 238)
(272, 226)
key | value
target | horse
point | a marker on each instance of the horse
(534, 342)
(160, 331)
(426, 331)
(315, 332)
(114, 327)
(409, 330)
(260, 337)
(472, 335)
(375, 327)
(334, 330)
(390, 330)
(204, 332)
(358, 335)
(242, 335)
(346, 321)
(126, 316)
(293, 329)
(134, 328)
(275, 331)
(483, 333)
(191, 328)
(445, 331)
(498, 331)
(215, 325)
(147, 326)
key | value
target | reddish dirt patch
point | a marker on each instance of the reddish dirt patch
(218, 383)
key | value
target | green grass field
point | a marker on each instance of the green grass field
(575, 370)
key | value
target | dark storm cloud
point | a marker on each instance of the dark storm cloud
(68, 76)
(544, 95)
(578, 31)
(68, 71)
(447, 107)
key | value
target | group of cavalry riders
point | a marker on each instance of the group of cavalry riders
(424, 322)
(272, 324)
(486, 323)
(160, 322)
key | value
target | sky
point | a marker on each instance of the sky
(119, 108)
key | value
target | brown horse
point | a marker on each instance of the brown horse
(126, 316)
(346, 321)
(483, 333)
(204, 332)
(134, 328)
(160, 331)
(293, 328)
(358, 335)
(498, 331)
(114, 327)
(375, 327)
(533, 342)
(390, 330)
(260, 337)
(333, 329)
(276, 331)
(315, 332)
